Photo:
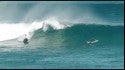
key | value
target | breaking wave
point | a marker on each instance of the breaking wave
(10, 31)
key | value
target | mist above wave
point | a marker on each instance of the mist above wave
(75, 12)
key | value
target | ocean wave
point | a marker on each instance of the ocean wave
(69, 36)
(11, 31)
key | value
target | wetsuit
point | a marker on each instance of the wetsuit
(25, 41)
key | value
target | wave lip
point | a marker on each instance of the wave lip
(46, 24)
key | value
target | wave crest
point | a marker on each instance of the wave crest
(44, 25)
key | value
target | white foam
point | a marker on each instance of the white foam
(11, 31)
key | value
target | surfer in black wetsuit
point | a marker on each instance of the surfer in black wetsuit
(25, 41)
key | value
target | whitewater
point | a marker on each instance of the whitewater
(11, 31)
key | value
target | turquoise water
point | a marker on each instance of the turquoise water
(67, 48)
(58, 32)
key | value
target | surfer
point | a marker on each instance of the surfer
(25, 41)
(92, 41)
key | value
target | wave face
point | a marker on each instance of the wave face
(78, 34)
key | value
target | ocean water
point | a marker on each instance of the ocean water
(67, 48)
(58, 40)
